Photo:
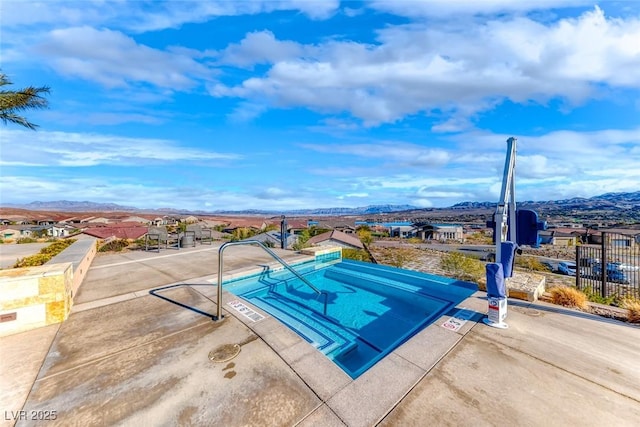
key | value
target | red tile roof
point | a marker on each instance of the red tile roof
(117, 232)
(338, 236)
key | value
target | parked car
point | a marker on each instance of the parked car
(588, 262)
(613, 271)
(567, 268)
(549, 265)
(628, 267)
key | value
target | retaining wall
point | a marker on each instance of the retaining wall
(32, 297)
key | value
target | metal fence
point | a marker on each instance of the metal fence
(609, 265)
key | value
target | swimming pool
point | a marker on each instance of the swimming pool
(370, 310)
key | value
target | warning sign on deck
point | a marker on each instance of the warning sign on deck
(247, 312)
(458, 320)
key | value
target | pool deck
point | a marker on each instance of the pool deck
(129, 357)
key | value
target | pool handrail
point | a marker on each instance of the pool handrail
(275, 256)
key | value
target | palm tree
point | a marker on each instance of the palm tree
(12, 102)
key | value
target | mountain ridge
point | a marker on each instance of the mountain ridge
(615, 201)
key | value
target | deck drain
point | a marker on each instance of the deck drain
(224, 353)
(533, 312)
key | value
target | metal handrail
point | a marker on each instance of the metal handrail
(275, 256)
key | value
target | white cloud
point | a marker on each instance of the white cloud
(448, 8)
(114, 59)
(25, 148)
(142, 16)
(246, 111)
(407, 154)
(460, 70)
(273, 193)
(354, 195)
(259, 47)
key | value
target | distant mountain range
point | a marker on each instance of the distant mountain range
(615, 201)
(608, 201)
(85, 206)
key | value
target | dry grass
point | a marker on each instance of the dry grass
(569, 297)
(633, 306)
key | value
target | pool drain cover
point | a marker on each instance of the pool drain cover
(224, 353)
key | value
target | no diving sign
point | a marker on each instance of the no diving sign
(458, 320)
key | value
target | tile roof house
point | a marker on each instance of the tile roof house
(129, 233)
(137, 219)
(336, 238)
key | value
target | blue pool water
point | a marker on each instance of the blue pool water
(371, 309)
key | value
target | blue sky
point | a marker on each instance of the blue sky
(305, 104)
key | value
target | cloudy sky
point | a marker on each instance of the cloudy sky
(306, 104)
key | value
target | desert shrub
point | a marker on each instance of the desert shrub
(301, 242)
(25, 240)
(568, 297)
(114, 246)
(398, 257)
(269, 244)
(414, 240)
(530, 263)
(462, 267)
(242, 233)
(365, 236)
(56, 247)
(595, 296)
(633, 307)
(479, 238)
(32, 261)
(356, 254)
(44, 255)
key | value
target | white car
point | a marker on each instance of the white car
(628, 267)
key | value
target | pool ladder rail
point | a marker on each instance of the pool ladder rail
(275, 256)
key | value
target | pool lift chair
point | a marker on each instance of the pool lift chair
(512, 228)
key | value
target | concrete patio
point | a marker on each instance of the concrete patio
(128, 357)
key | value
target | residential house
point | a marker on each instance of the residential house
(72, 220)
(129, 233)
(336, 238)
(32, 230)
(560, 237)
(622, 237)
(61, 230)
(137, 219)
(8, 233)
(439, 232)
(402, 231)
(190, 219)
(94, 220)
(295, 226)
(18, 219)
(345, 228)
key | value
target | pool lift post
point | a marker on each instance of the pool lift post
(505, 227)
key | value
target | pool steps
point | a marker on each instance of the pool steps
(352, 352)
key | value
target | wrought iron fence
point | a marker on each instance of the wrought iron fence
(608, 265)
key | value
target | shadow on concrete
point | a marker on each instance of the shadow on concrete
(155, 293)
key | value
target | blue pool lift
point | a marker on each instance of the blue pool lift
(512, 227)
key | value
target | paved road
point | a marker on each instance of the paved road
(10, 253)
